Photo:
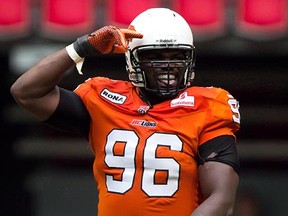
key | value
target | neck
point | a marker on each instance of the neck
(152, 98)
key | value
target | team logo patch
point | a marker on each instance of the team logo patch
(143, 109)
(143, 123)
(113, 97)
(183, 100)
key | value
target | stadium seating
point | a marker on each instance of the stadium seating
(64, 20)
(206, 17)
(15, 19)
(67, 18)
(258, 19)
(122, 12)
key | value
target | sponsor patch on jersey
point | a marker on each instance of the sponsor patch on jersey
(143, 123)
(183, 100)
(113, 96)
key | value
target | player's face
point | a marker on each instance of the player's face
(164, 69)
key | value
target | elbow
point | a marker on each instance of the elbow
(17, 93)
(21, 94)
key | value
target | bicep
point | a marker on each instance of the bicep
(218, 178)
(219, 183)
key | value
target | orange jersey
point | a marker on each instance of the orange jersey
(145, 158)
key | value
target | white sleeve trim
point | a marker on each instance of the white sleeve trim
(75, 57)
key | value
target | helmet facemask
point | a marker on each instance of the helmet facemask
(164, 71)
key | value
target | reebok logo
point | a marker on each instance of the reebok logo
(166, 41)
(113, 97)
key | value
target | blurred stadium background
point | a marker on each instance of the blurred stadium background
(242, 46)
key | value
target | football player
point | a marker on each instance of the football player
(162, 146)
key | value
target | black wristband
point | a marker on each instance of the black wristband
(83, 48)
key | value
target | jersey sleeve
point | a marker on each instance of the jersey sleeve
(84, 88)
(223, 117)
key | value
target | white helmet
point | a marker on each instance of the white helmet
(162, 29)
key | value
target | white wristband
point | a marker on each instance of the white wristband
(73, 54)
(75, 57)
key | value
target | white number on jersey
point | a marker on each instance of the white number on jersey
(151, 163)
(234, 105)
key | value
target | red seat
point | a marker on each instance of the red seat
(15, 20)
(67, 18)
(206, 17)
(262, 19)
(121, 12)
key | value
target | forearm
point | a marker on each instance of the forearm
(36, 90)
(43, 76)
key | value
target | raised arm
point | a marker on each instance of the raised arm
(37, 91)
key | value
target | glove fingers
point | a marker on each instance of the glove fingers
(101, 39)
(119, 37)
(120, 43)
(129, 34)
(111, 39)
(122, 36)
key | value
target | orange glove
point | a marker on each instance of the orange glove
(108, 39)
